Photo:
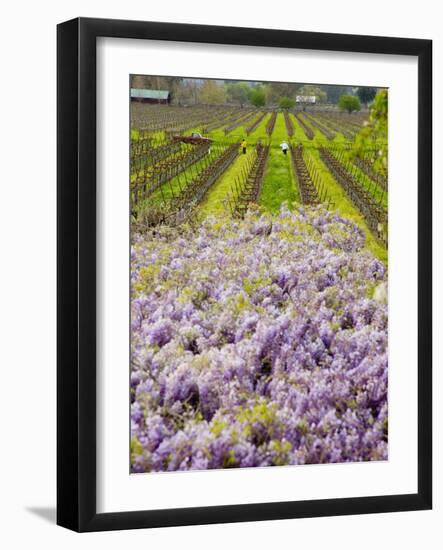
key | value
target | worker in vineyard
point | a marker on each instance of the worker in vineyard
(243, 146)
(284, 147)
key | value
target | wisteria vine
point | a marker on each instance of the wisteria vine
(257, 342)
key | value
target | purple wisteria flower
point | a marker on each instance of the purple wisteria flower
(257, 342)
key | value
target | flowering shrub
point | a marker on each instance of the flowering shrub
(257, 342)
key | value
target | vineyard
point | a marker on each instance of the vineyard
(258, 288)
(319, 169)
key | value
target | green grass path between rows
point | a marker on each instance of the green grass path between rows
(279, 182)
(214, 202)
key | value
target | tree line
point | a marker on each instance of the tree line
(192, 91)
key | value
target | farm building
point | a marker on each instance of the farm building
(150, 96)
(305, 99)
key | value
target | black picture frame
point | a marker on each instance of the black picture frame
(76, 280)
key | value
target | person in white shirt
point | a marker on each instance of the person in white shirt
(284, 147)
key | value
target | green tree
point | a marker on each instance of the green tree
(154, 82)
(366, 94)
(349, 103)
(258, 96)
(276, 90)
(183, 92)
(238, 92)
(212, 93)
(286, 102)
(334, 92)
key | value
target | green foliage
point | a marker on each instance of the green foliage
(366, 94)
(286, 103)
(258, 96)
(261, 413)
(375, 133)
(280, 449)
(217, 427)
(185, 92)
(349, 103)
(334, 92)
(136, 448)
(212, 93)
(238, 92)
(254, 284)
(276, 90)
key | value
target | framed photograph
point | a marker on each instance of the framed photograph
(244, 274)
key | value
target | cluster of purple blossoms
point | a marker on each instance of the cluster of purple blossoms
(257, 342)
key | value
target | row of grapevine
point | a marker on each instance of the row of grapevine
(247, 186)
(375, 215)
(311, 187)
